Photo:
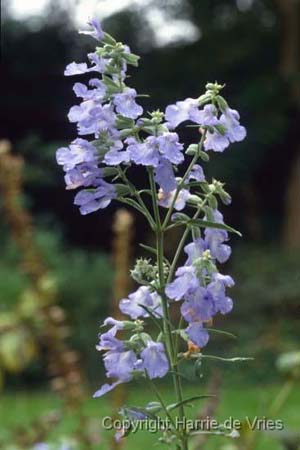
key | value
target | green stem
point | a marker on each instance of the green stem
(172, 356)
(182, 241)
(137, 195)
(182, 182)
(161, 401)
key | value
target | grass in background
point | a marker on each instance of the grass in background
(238, 401)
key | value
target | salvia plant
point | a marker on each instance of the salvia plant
(114, 136)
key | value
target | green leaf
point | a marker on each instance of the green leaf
(131, 59)
(153, 251)
(192, 149)
(187, 400)
(208, 224)
(122, 189)
(153, 316)
(180, 217)
(109, 171)
(154, 407)
(136, 413)
(112, 87)
(149, 249)
(212, 201)
(223, 105)
(124, 122)
(204, 156)
(108, 39)
(219, 358)
(225, 333)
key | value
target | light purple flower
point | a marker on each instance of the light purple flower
(97, 32)
(120, 365)
(97, 94)
(186, 280)
(154, 359)
(216, 288)
(180, 112)
(234, 131)
(216, 141)
(126, 105)
(92, 118)
(85, 174)
(94, 199)
(143, 296)
(106, 388)
(206, 116)
(108, 341)
(166, 198)
(196, 174)
(78, 152)
(76, 69)
(215, 238)
(146, 153)
(164, 175)
(198, 305)
(197, 334)
(170, 147)
(116, 154)
(98, 64)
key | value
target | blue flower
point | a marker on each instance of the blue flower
(98, 64)
(180, 112)
(217, 289)
(85, 174)
(197, 334)
(198, 305)
(126, 105)
(186, 280)
(216, 141)
(143, 296)
(234, 131)
(146, 153)
(97, 32)
(164, 175)
(106, 388)
(215, 238)
(205, 117)
(94, 199)
(78, 152)
(120, 365)
(170, 147)
(196, 174)
(97, 94)
(155, 361)
(76, 69)
(166, 199)
(116, 156)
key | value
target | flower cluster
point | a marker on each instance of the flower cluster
(110, 115)
(200, 285)
(138, 356)
(117, 137)
(221, 131)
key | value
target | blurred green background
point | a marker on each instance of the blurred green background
(253, 46)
